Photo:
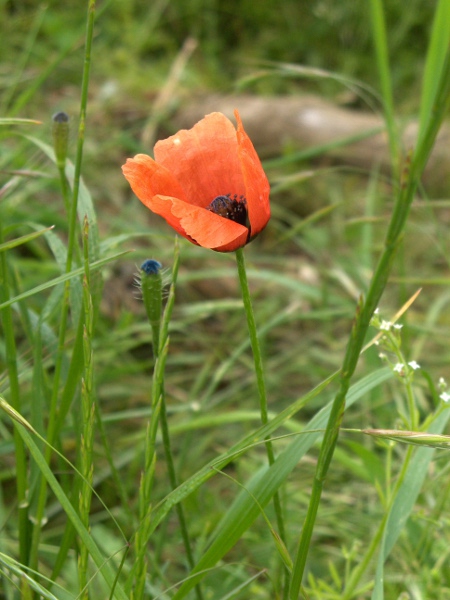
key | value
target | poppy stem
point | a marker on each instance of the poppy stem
(259, 371)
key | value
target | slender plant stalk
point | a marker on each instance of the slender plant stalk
(88, 414)
(382, 58)
(51, 429)
(259, 371)
(161, 339)
(363, 316)
(152, 295)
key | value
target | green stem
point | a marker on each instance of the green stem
(382, 58)
(259, 371)
(161, 339)
(151, 286)
(362, 320)
(88, 403)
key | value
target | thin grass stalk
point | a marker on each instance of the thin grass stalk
(435, 63)
(363, 316)
(51, 429)
(262, 392)
(384, 72)
(14, 390)
(88, 414)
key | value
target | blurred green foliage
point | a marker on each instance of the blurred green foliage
(233, 35)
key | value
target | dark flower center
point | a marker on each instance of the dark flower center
(232, 208)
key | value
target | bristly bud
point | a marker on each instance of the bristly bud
(151, 267)
(151, 286)
(60, 137)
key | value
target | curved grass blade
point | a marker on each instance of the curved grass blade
(23, 239)
(15, 568)
(264, 484)
(49, 284)
(17, 121)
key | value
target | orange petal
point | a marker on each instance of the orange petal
(257, 188)
(212, 231)
(199, 225)
(147, 179)
(204, 160)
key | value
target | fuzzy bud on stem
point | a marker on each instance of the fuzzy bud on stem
(151, 286)
(60, 133)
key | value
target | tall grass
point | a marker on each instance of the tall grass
(152, 446)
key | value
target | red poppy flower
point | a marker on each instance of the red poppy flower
(207, 182)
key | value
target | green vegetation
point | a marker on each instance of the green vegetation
(135, 460)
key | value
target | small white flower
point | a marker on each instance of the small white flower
(414, 365)
(442, 382)
(399, 367)
(445, 397)
(398, 326)
(385, 325)
(381, 355)
(376, 311)
(376, 342)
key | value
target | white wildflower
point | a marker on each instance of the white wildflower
(445, 397)
(414, 365)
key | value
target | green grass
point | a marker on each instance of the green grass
(113, 431)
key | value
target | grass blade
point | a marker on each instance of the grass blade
(435, 64)
(49, 284)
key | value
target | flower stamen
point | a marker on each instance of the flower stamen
(232, 208)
